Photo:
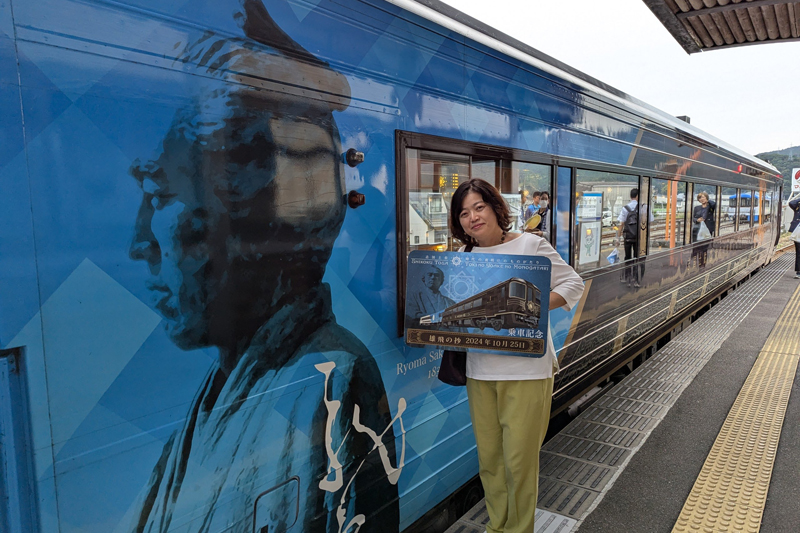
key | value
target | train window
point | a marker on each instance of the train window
(704, 205)
(668, 199)
(478, 302)
(562, 213)
(745, 209)
(517, 290)
(430, 169)
(431, 177)
(600, 199)
(727, 211)
(766, 206)
(531, 178)
(754, 206)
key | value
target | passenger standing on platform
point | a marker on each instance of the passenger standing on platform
(628, 227)
(703, 214)
(509, 397)
(794, 205)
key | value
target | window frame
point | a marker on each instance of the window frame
(404, 141)
(576, 168)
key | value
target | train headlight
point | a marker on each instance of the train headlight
(530, 307)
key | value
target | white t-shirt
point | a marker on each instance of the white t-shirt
(623, 213)
(563, 280)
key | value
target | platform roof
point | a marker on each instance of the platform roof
(703, 25)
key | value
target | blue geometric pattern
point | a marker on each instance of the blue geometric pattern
(97, 92)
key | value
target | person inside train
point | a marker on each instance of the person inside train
(543, 229)
(509, 397)
(628, 226)
(704, 214)
(794, 205)
(533, 207)
(241, 205)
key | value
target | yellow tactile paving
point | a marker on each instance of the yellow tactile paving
(731, 490)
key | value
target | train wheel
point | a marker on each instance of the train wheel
(497, 324)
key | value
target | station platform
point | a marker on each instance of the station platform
(694, 439)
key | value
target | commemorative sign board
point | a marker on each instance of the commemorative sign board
(478, 302)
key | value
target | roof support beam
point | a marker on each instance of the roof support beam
(775, 41)
(731, 7)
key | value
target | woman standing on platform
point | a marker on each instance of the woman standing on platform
(704, 213)
(794, 205)
(509, 397)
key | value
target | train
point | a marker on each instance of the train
(744, 202)
(207, 210)
(513, 303)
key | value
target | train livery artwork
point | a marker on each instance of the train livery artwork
(485, 302)
(514, 303)
(207, 209)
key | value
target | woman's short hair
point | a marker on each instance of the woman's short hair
(489, 195)
(702, 194)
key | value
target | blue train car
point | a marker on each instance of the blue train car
(744, 202)
(206, 210)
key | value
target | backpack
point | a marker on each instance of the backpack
(630, 228)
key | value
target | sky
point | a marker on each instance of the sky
(747, 96)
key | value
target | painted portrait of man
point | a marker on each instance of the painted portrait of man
(427, 298)
(242, 203)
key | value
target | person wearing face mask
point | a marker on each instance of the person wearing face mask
(543, 229)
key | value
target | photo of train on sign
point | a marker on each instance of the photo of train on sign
(206, 211)
(509, 304)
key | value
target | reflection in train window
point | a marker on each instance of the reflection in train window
(766, 206)
(529, 178)
(600, 198)
(754, 201)
(742, 203)
(727, 211)
(711, 210)
(432, 177)
(668, 199)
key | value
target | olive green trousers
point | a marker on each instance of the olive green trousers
(510, 420)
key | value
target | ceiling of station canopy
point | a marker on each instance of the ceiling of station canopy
(703, 25)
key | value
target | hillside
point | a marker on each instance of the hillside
(792, 151)
(784, 160)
